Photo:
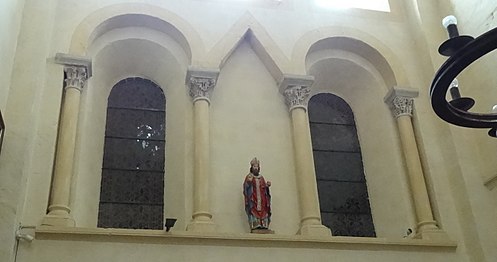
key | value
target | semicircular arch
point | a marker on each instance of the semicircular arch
(353, 41)
(124, 15)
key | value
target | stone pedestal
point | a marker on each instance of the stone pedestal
(262, 231)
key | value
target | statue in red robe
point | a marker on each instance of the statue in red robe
(257, 198)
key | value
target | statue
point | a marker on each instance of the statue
(257, 199)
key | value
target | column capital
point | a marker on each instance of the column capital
(78, 69)
(201, 82)
(401, 100)
(296, 89)
(75, 77)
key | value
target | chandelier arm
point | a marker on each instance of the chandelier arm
(471, 52)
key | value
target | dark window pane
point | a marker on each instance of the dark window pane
(135, 123)
(132, 188)
(137, 154)
(328, 108)
(356, 225)
(334, 137)
(338, 166)
(112, 215)
(343, 195)
(137, 93)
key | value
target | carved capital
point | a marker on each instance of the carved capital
(296, 89)
(402, 106)
(78, 69)
(201, 82)
(297, 96)
(401, 101)
(76, 77)
(200, 87)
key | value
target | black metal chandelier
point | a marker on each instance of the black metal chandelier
(462, 51)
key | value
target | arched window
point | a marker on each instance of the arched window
(343, 195)
(132, 188)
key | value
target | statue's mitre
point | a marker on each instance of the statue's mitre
(254, 161)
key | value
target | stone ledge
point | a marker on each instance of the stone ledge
(245, 239)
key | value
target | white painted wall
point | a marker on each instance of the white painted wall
(10, 24)
(245, 98)
(250, 119)
(127, 250)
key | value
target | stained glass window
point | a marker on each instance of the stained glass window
(342, 190)
(132, 187)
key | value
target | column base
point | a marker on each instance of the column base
(432, 234)
(314, 230)
(430, 231)
(58, 220)
(201, 226)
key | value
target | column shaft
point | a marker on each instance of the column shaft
(417, 183)
(296, 90)
(200, 83)
(65, 150)
(304, 163)
(202, 161)
(58, 209)
(401, 101)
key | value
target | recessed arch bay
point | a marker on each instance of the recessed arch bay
(356, 81)
(113, 61)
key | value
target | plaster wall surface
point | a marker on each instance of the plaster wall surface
(245, 98)
(15, 157)
(250, 119)
(219, 25)
(75, 251)
(10, 24)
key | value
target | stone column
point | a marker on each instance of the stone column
(296, 90)
(401, 102)
(200, 84)
(77, 71)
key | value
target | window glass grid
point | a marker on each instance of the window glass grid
(132, 187)
(342, 188)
